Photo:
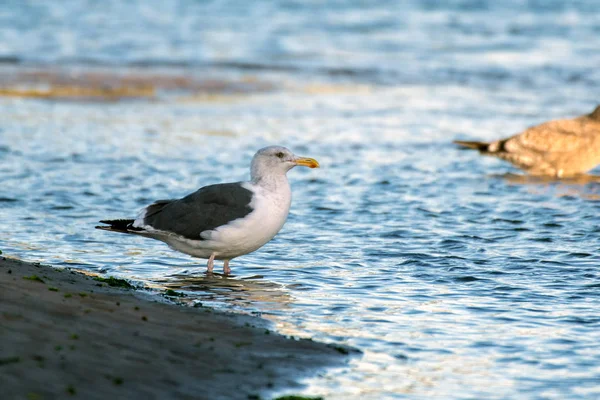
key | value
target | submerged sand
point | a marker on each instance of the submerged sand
(64, 334)
(111, 83)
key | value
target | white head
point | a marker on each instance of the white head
(277, 160)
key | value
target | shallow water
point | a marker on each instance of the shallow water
(455, 279)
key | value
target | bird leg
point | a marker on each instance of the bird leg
(211, 263)
(226, 269)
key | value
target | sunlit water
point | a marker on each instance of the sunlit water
(456, 280)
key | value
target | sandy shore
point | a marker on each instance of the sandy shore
(113, 83)
(64, 334)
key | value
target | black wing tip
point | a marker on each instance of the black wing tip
(465, 144)
(117, 225)
(116, 221)
(103, 227)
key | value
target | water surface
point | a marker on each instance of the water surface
(455, 279)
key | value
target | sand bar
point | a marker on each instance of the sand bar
(65, 335)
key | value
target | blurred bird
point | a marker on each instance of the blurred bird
(558, 148)
(223, 221)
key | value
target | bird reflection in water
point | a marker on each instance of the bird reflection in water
(248, 293)
(585, 186)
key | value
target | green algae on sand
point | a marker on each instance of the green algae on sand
(114, 282)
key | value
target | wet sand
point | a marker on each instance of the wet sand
(64, 334)
(109, 84)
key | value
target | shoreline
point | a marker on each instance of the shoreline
(65, 334)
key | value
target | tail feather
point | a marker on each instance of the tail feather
(596, 113)
(481, 146)
(117, 225)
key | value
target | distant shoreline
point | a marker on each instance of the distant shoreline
(63, 333)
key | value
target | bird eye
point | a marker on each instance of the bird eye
(280, 154)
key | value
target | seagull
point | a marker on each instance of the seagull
(223, 221)
(558, 148)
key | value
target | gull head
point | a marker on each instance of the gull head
(277, 160)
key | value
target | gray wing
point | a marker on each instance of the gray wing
(206, 209)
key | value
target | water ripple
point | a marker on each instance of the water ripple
(456, 278)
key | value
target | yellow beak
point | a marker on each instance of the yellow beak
(307, 162)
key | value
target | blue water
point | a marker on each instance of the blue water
(456, 278)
